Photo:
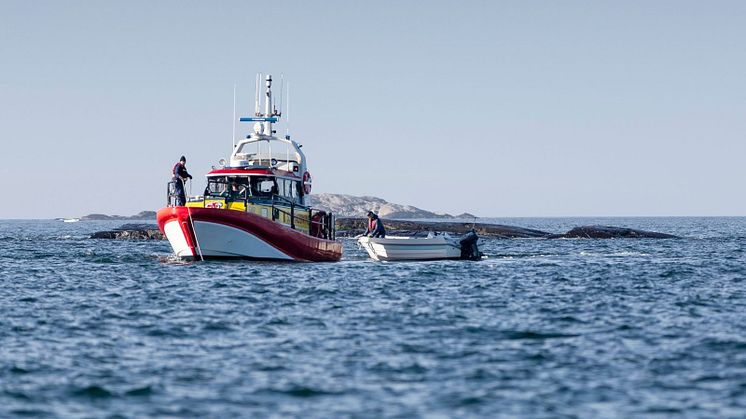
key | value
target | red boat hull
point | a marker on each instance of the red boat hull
(212, 233)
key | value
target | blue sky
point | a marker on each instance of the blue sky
(541, 108)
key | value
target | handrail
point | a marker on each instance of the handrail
(326, 224)
(297, 216)
(171, 197)
(289, 201)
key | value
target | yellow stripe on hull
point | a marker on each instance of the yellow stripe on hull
(282, 216)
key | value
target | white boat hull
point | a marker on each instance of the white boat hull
(220, 241)
(177, 237)
(409, 248)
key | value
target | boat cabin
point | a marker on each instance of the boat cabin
(252, 185)
(274, 186)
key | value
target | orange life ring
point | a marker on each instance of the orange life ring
(307, 183)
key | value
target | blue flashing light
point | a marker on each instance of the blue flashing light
(258, 119)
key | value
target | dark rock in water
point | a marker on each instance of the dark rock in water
(136, 226)
(131, 232)
(350, 227)
(607, 232)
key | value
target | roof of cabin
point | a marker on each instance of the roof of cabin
(232, 171)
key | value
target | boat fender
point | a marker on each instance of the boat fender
(307, 182)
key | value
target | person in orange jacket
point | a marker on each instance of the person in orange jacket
(375, 226)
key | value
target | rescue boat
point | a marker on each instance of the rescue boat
(256, 205)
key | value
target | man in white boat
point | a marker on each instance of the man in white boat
(375, 226)
(180, 175)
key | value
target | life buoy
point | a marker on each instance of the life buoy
(307, 181)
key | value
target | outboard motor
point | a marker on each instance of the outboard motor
(469, 248)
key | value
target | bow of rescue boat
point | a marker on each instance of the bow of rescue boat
(210, 233)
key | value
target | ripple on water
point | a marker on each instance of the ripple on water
(542, 328)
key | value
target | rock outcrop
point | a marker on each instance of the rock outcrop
(607, 232)
(142, 215)
(341, 205)
(357, 206)
(131, 232)
(350, 227)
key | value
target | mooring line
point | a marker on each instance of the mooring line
(194, 231)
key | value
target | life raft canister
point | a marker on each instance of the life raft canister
(307, 181)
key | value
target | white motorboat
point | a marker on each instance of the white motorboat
(432, 247)
(70, 220)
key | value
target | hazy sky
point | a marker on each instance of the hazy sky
(521, 108)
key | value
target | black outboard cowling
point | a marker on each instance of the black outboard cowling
(469, 248)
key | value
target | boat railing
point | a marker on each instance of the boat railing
(320, 223)
(172, 198)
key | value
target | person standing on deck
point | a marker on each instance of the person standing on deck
(180, 174)
(375, 226)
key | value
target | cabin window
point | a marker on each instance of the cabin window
(266, 186)
(238, 187)
(289, 189)
(216, 186)
(294, 190)
(262, 186)
(281, 187)
(233, 187)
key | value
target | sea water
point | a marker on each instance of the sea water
(539, 328)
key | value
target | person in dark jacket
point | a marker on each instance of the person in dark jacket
(180, 175)
(375, 226)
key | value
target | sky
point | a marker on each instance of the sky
(497, 108)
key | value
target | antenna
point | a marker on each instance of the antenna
(256, 106)
(268, 107)
(233, 137)
(287, 117)
(282, 90)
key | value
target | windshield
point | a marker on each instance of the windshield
(246, 187)
(263, 186)
(233, 187)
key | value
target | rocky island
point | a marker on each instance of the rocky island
(350, 227)
(400, 220)
(142, 215)
(357, 206)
